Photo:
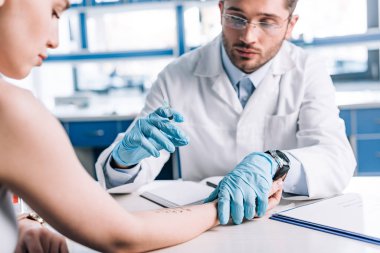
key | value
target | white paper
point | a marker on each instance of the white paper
(353, 212)
(125, 188)
(178, 193)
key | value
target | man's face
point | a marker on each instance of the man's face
(255, 45)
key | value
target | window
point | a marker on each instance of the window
(131, 74)
(202, 24)
(131, 30)
(329, 18)
(331, 33)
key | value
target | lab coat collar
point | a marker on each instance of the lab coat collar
(210, 63)
(210, 68)
(282, 62)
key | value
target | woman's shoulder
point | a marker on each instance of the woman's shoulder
(20, 111)
(15, 100)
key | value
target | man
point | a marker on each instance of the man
(246, 92)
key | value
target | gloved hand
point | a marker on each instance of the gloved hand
(150, 135)
(246, 186)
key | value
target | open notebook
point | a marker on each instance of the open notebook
(351, 215)
(181, 193)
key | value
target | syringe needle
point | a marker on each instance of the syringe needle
(167, 109)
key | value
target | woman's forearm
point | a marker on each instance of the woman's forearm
(167, 227)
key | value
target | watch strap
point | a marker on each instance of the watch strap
(282, 161)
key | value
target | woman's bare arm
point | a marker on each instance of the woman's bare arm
(39, 164)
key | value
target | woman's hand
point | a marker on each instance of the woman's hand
(33, 237)
(275, 194)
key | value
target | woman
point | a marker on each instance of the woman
(38, 163)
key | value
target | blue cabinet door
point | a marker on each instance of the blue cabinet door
(123, 125)
(92, 134)
(95, 134)
(346, 116)
(368, 121)
(368, 157)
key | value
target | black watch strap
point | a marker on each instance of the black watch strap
(282, 161)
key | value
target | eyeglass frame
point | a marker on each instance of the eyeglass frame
(259, 24)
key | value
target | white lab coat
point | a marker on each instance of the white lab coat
(293, 109)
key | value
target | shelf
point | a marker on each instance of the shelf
(110, 55)
(369, 37)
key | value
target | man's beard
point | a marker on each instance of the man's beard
(250, 67)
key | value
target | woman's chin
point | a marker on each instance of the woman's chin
(18, 75)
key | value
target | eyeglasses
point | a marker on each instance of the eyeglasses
(239, 23)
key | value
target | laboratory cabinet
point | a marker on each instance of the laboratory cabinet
(90, 138)
(94, 134)
(363, 131)
(368, 152)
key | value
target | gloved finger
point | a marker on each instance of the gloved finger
(168, 128)
(177, 117)
(262, 204)
(237, 208)
(149, 147)
(152, 132)
(166, 112)
(223, 206)
(179, 142)
(212, 196)
(250, 205)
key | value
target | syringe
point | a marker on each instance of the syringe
(168, 111)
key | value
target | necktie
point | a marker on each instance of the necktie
(245, 89)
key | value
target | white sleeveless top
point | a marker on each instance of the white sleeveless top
(8, 223)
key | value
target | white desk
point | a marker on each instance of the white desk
(262, 235)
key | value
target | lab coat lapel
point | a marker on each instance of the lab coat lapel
(223, 88)
(211, 71)
(264, 100)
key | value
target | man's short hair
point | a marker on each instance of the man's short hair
(291, 5)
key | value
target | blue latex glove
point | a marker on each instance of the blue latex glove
(245, 189)
(150, 135)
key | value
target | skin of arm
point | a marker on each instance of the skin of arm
(38, 163)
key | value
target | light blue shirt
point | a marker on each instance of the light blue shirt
(235, 74)
(296, 179)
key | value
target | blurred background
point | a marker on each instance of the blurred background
(112, 50)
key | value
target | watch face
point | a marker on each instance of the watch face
(283, 157)
(282, 161)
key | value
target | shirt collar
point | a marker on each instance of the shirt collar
(235, 74)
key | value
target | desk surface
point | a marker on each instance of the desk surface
(262, 235)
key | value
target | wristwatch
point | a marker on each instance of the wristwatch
(31, 216)
(283, 163)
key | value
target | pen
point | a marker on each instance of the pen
(211, 184)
